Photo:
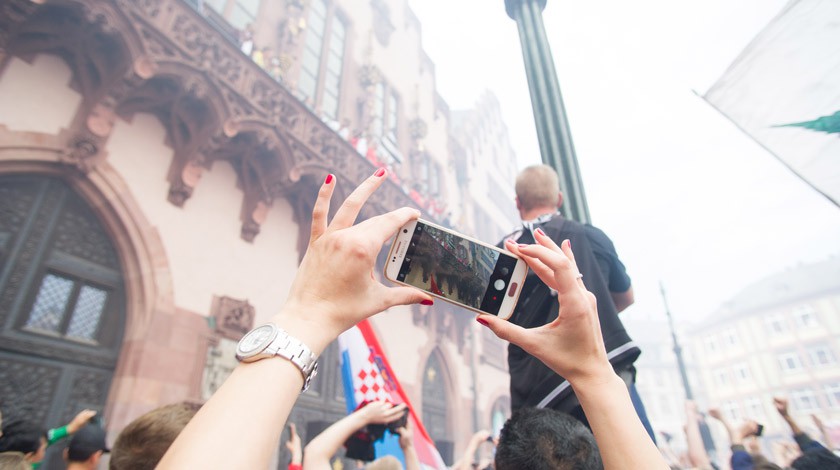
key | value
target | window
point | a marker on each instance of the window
(68, 308)
(805, 400)
(711, 343)
(755, 409)
(732, 409)
(239, 13)
(730, 337)
(742, 372)
(790, 361)
(385, 112)
(322, 58)
(832, 392)
(722, 377)
(805, 316)
(821, 355)
(775, 325)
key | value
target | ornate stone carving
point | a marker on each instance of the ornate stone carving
(81, 152)
(234, 317)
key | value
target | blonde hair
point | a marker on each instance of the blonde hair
(14, 461)
(388, 462)
(537, 186)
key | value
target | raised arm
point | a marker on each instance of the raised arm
(696, 451)
(465, 463)
(294, 447)
(572, 346)
(334, 288)
(319, 451)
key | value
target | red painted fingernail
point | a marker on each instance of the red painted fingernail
(540, 231)
(427, 302)
(329, 179)
(482, 321)
(379, 172)
(523, 245)
(570, 244)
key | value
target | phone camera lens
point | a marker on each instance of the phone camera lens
(405, 230)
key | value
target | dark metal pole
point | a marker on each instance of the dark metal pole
(555, 137)
(708, 442)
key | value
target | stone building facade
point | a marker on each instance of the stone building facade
(156, 182)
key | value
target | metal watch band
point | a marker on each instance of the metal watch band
(298, 353)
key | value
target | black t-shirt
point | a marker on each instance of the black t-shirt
(531, 382)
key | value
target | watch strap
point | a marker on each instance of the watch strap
(299, 354)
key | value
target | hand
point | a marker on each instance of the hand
(749, 428)
(335, 286)
(381, 412)
(293, 444)
(781, 405)
(480, 436)
(716, 414)
(80, 420)
(406, 435)
(572, 344)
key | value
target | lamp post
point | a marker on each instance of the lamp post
(708, 442)
(555, 137)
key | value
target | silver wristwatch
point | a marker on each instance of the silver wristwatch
(270, 340)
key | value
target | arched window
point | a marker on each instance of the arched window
(435, 412)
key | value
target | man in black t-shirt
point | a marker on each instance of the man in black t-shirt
(532, 384)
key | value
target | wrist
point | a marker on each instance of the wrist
(302, 326)
(594, 378)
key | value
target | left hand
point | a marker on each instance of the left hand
(335, 287)
(406, 435)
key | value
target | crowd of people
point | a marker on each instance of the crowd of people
(241, 424)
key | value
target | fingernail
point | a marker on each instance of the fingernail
(379, 172)
(540, 231)
(427, 302)
(523, 245)
(570, 244)
(482, 321)
(329, 178)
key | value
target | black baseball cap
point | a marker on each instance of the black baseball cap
(86, 442)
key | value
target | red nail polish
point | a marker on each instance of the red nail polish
(427, 302)
(540, 231)
(482, 321)
(379, 172)
(523, 245)
(570, 244)
(329, 179)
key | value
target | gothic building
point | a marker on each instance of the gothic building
(158, 164)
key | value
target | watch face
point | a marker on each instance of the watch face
(256, 340)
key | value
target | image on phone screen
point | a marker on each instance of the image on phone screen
(455, 268)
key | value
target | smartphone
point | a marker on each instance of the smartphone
(456, 268)
(759, 430)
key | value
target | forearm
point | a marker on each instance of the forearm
(622, 300)
(621, 437)
(794, 427)
(241, 424)
(696, 451)
(320, 449)
(412, 462)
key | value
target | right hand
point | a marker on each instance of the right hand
(381, 412)
(293, 444)
(716, 414)
(781, 405)
(572, 344)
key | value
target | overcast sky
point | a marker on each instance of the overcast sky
(685, 196)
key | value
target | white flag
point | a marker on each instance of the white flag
(784, 91)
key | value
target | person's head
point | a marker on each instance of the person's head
(14, 461)
(143, 442)
(816, 459)
(545, 439)
(388, 462)
(86, 446)
(537, 187)
(25, 437)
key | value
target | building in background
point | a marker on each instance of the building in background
(158, 164)
(777, 337)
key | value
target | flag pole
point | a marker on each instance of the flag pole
(771, 152)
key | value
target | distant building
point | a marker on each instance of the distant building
(158, 164)
(777, 337)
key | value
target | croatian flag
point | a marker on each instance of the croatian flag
(367, 376)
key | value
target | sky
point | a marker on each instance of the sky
(688, 199)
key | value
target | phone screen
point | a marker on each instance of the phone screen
(458, 269)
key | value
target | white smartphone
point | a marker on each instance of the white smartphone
(456, 268)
